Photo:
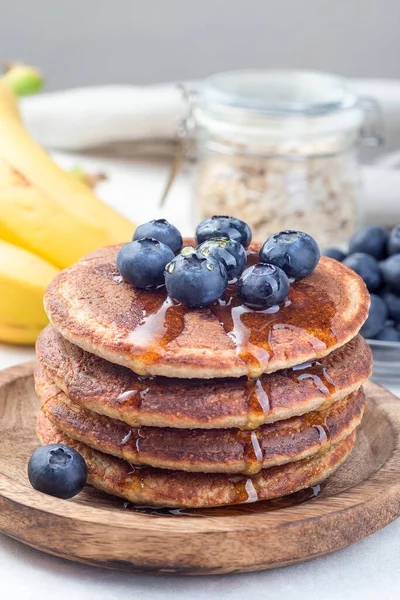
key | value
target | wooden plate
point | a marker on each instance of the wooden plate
(362, 497)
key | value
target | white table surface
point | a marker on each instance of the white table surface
(369, 569)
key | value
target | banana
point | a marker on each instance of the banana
(24, 278)
(43, 208)
(22, 79)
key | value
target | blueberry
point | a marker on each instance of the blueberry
(57, 470)
(161, 230)
(229, 252)
(369, 240)
(194, 279)
(142, 262)
(392, 302)
(391, 272)
(393, 246)
(367, 268)
(388, 334)
(224, 226)
(376, 318)
(294, 252)
(262, 286)
(334, 253)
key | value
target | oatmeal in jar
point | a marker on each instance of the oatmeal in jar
(279, 150)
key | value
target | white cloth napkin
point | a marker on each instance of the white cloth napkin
(83, 118)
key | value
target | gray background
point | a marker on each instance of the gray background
(79, 42)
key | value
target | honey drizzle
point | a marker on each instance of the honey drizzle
(317, 380)
(139, 436)
(317, 420)
(258, 403)
(132, 397)
(252, 493)
(245, 508)
(254, 331)
(147, 337)
(252, 452)
(317, 373)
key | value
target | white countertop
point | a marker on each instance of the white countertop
(369, 569)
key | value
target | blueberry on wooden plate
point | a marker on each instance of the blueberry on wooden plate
(220, 226)
(195, 280)
(143, 261)
(57, 470)
(263, 286)
(230, 252)
(294, 252)
(161, 230)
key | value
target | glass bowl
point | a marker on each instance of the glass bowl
(386, 360)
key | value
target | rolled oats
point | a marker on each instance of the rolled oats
(312, 193)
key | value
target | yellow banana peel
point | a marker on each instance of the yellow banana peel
(42, 207)
(24, 278)
(48, 220)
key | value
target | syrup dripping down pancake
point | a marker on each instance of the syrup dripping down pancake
(117, 392)
(160, 487)
(197, 450)
(149, 333)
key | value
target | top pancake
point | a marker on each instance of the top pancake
(146, 331)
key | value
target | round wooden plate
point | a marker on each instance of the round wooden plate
(360, 498)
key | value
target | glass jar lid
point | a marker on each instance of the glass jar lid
(279, 92)
(270, 107)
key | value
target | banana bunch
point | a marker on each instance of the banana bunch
(48, 219)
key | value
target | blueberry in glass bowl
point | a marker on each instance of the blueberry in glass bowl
(370, 240)
(334, 253)
(374, 253)
(393, 246)
(377, 316)
(388, 334)
(367, 267)
(390, 269)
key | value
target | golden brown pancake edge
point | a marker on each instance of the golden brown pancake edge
(117, 392)
(159, 487)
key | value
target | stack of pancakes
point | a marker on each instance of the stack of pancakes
(180, 407)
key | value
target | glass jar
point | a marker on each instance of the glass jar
(279, 149)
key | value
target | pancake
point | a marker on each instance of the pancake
(159, 487)
(117, 392)
(196, 450)
(148, 332)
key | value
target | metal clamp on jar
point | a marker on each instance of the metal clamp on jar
(279, 149)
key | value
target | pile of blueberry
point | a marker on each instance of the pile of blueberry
(374, 254)
(199, 276)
